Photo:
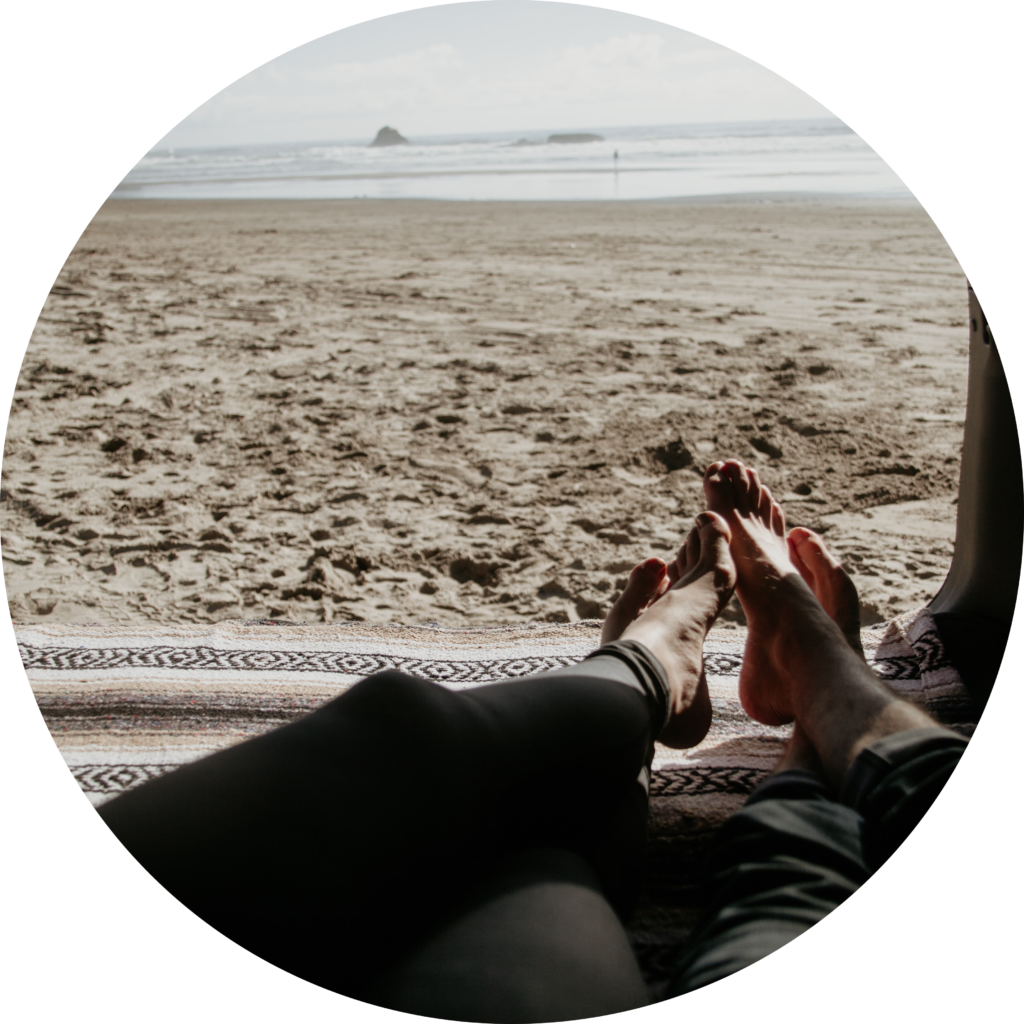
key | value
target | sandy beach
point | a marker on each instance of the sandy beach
(472, 413)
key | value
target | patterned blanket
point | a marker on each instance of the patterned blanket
(125, 705)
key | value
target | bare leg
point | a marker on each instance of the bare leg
(797, 664)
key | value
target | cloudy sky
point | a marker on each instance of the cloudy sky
(504, 65)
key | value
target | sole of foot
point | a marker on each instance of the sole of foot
(697, 585)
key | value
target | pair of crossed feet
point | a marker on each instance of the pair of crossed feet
(803, 660)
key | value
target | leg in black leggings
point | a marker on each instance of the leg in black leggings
(537, 941)
(336, 846)
(348, 845)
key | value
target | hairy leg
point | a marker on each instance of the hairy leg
(798, 665)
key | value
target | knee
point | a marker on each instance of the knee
(399, 702)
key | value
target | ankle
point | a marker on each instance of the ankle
(895, 717)
(842, 724)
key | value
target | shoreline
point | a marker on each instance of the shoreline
(723, 198)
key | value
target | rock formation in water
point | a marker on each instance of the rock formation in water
(576, 137)
(389, 137)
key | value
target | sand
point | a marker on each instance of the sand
(472, 413)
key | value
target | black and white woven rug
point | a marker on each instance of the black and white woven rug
(125, 705)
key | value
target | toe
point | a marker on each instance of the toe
(776, 518)
(796, 557)
(764, 506)
(643, 586)
(799, 537)
(753, 489)
(811, 549)
(711, 528)
(672, 573)
(689, 553)
(718, 488)
(712, 556)
(671, 577)
(778, 522)
(740, 479)
(715, 536)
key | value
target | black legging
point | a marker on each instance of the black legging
(402, 824)
(421, 849)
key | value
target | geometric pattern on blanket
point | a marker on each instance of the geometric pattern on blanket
(127, 704)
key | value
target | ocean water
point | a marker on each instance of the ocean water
(812, 157)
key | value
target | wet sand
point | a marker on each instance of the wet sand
(472, 413)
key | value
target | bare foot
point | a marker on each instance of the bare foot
(797, 663)
(646, 582)
(837, 594)
(770, 588)
(829, 582)
(673, 627)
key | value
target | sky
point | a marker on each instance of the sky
(503, 65)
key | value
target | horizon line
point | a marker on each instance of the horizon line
(358, 140)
